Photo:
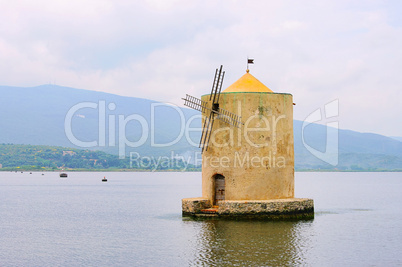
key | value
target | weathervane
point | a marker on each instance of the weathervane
(249, 61)
(213, 110)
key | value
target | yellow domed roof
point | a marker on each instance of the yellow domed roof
(247, 83)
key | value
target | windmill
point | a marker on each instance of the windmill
(254, 177)
(213, 110)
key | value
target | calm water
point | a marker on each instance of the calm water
(135, 220)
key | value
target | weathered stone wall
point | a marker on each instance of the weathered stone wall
(274, 209)
(256, 159)
(266, 207)
(194, 205)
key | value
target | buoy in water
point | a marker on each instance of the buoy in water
(104, 179)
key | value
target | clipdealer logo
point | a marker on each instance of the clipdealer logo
(111, 129)
(329, 115)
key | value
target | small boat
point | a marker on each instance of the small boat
(63, 175)
(104, 179)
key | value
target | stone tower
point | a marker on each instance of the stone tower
(255, 161)
(250, 170)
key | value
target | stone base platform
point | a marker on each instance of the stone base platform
(290, 208)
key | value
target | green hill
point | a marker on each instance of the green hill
(31, 157)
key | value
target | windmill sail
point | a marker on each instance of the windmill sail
(206, 132)
(229, 117)
(221, 114)
(217, 85)
(195, 103)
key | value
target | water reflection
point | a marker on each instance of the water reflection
(251, 243)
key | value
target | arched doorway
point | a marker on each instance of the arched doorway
(219, 181)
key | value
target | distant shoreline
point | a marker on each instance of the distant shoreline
(147, 170)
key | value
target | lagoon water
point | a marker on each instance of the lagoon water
(135, 219)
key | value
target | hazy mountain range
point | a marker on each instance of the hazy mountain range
(39, 116)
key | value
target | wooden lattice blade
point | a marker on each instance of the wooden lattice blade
(228, 117)
(206, 131)
(195, 103)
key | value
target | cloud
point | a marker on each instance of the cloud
(316, 50)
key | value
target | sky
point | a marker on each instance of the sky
(319, 51)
